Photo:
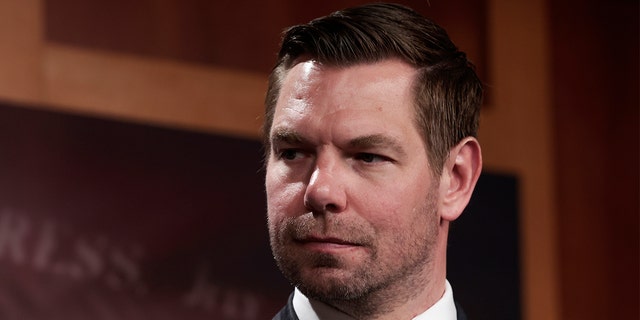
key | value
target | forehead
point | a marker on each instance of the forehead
(328, 102)
(390, 72)
(357, 94)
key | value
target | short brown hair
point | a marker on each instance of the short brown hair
(448, 93)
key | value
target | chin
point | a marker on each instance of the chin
(335, 283)
(331, 286)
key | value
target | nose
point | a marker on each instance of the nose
(325, 192)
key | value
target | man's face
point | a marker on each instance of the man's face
(350, 195)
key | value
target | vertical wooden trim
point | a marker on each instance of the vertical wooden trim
(516, 133)
(21, 43)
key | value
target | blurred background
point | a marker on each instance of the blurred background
(130, 162)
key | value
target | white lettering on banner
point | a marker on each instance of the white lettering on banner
(50, 247)
(26, 241)
(13, 231)
(91, 258)
(45, 247)
(230, 303)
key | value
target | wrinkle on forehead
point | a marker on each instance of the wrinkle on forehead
(295, 96)
(304, 72)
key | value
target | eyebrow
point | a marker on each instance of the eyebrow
(377, 141)
(372, 141)
(284, 135)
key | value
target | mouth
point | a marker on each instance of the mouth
(326, 244)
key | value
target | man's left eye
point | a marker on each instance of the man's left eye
(370, 157)
(289, 154)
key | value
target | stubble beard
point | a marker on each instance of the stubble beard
(374, 286)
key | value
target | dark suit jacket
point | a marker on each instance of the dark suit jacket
(287, 312)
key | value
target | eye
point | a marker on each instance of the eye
(289, 154)
(370, 157)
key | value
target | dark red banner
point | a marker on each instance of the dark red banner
(110, 220)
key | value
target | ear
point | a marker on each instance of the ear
(459, 176)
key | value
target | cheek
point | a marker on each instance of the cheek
(395, 207)
(283, 198)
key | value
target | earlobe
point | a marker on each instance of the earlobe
(458, 180)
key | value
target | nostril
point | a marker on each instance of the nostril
(319, 208)
(308, 205)
(330, 207)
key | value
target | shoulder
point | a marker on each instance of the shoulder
(460, 313)
(287, 312)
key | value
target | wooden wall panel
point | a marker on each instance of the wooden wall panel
(233, 34)
(162, 92)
